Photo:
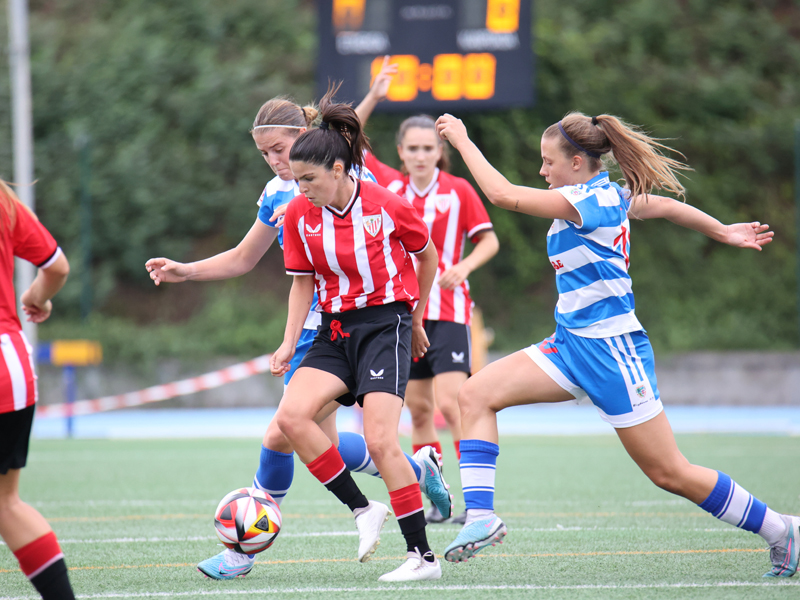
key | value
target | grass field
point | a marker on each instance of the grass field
(134, 518)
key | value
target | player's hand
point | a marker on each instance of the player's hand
(279, 363)
(166, 270)
(35, 310)
(451, 129)
(748, 235)
(453, 277)
(419, 340)
(277, 216)
(380, 85)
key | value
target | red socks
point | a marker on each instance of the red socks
(330, 469)
(435, 445)
(327, 465)
(39, 554)
(457, 444)
(407, 506)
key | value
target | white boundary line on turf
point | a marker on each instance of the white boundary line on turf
(429, 588)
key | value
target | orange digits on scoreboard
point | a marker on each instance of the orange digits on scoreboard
(447, 77)
(479, 76)
(405, 84)
(348, 15)
(502, 16)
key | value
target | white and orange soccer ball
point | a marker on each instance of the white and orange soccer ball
(247, 520)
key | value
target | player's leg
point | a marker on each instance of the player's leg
(446, 386)
(26, 532)
(381, 420)
(420, 403)
(652, 446)
(511, 381)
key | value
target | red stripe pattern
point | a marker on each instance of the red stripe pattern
(406, 501)
(328, 465)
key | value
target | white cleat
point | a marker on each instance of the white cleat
(416, 568)
(369, 522)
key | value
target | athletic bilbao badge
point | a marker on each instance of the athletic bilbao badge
(442, 202)
(372, 224)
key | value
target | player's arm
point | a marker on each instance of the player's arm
(231, 263)
(300, 298)
(742, 235)
(486, 247)
(548, 204)
(36, 299)
(427, 262)
(377, 92)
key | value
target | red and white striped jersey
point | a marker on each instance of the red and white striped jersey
(453, 212)
(31, 241)
(360, 256)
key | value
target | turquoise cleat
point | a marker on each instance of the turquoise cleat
(475, 537)
(227, 565)
(436, 489)
(784, 556)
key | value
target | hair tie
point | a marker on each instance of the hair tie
(576, 144)
(323, 125)
(594, 121)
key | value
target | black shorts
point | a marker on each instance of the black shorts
(450, 350)
(15, 431)
(369, 349)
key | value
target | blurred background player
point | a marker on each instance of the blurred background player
(26, 533)
(352, 241)
(453, 213)
(599, 349)
(276, 127)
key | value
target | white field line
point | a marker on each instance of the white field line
(427, 588)
(352, 533)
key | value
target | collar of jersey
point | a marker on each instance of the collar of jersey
(428, 189)
(350, 203)
(279, 185)
(599, 180)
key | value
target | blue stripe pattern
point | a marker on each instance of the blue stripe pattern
(478, 464)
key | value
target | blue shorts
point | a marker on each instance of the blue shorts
(617, 373)
(303, 344)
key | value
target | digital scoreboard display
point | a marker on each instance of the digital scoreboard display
(451, 54)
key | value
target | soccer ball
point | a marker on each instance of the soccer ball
(247, 520)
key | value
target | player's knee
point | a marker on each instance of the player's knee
(470, 399)
(667, 477)
(289, 423)
(421, 415)
(379, 446)
(275, 440)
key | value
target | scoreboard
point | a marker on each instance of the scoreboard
(451, 54)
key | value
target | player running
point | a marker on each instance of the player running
(352, 240)
(453, 213)
(277, 125)
(599, 349)
(26, 533)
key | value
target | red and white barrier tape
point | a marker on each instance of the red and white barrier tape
(157, 393)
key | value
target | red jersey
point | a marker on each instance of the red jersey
(359, 256)
(31, 241)
(453, 213)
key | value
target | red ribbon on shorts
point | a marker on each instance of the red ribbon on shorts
(336, 329)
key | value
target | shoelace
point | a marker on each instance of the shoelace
(336, 330)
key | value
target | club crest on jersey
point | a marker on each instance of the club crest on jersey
(442, 202)
(372, 224)
(311, 229)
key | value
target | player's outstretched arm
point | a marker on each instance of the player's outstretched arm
(300, 298)
(226, 265)
(741, 235)
(377, 92)
(548, 204)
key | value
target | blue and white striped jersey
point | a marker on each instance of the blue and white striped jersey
(279, 192)
(591, 259)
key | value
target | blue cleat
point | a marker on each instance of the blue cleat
(436, 489)
(475, 537)
(227, 565)
(784, 556)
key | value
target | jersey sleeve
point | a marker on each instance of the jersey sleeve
(585, 202)
(384, 174)
(476, 219)
(266, 208)
(32, 242)
(410, 228)
(294, 250)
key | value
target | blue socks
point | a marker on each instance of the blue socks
(275, 473)
(354, 453)
(731, 503)
(478, 464)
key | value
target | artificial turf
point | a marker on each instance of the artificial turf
(135, 517)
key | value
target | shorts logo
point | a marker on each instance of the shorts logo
(372, 224)
(310, 229)
(378, 375)
(641, 391)
(458, 357)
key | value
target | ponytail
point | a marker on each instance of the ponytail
(9, 204)
(339, 137)
(606, 138)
